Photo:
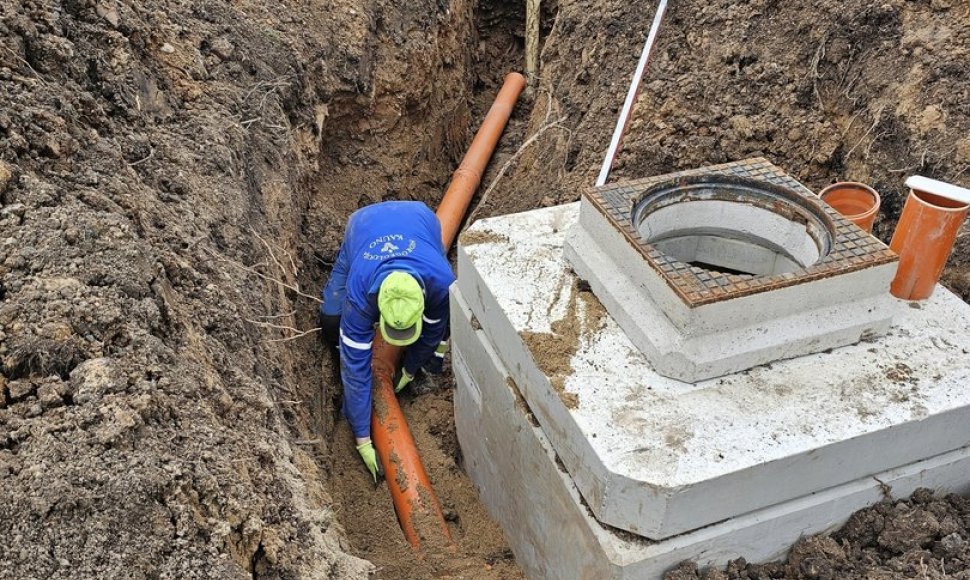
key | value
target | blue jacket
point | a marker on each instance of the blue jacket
(382, 238)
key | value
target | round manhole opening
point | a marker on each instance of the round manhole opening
(734, 225)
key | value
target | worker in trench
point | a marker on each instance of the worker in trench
(390, 276)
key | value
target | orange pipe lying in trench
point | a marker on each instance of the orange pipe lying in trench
(417, 506)
(464, 182)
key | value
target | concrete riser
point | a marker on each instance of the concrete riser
(713, 340)
(554, 535)
(661, 513)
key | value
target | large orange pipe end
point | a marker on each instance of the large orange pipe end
(417, 507)
(924, 238)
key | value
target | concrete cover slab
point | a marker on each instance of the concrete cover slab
(659, 457)
(553, 533)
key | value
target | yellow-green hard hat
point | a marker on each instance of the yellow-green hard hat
(401, 303)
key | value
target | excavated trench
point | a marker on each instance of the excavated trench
(403, 143)
(165, 164)
(174, 181)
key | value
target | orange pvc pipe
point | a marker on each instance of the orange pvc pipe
(464, 182)
(417, 507)
(858, 202)
(923, 239)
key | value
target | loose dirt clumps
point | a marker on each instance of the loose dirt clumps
(161, 163)
(927, 536)
(146, 429)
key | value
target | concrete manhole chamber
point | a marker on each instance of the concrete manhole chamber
(614, 442)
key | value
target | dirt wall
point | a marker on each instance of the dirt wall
(159, 160)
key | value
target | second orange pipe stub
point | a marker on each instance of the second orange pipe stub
(417, 506)
(924, 238)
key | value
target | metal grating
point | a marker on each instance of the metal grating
(853, 249)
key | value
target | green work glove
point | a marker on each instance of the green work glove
(369, 455)
(442, 349)
(401, 379)
(436, 365)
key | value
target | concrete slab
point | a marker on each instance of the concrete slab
(659, 457)
(553, 533)
(816, 280)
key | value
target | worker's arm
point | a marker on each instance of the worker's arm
(334, 292)
(356, 340)
(434, 325)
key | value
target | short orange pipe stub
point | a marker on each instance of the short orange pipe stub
(858, 202)
(924, 238)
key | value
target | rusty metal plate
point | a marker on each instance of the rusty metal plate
(851, 248)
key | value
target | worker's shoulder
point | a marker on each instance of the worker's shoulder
(440, 270)
(395, 207)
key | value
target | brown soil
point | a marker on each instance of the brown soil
(160, 160)
(157, 163)
(828, 90)
(925, 537)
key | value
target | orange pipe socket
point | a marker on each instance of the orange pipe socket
(417, 506)
(925, 235)
(858, 202)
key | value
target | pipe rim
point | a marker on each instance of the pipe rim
(917, 195)
(851, 185)
(764, 195)
(858, 186)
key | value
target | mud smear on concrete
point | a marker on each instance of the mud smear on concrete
(474, 237)
(554, 351)
(521, 403)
